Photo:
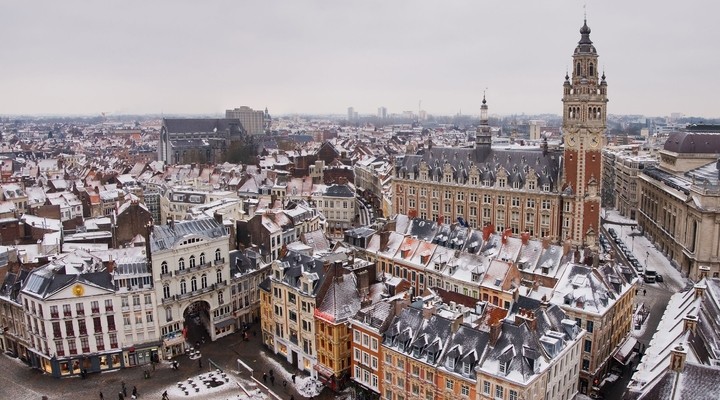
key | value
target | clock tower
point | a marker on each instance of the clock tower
(584, 124)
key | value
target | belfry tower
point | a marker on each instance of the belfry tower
(584, 124)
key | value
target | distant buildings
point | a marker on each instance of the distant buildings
(255, 122)
(196, 140)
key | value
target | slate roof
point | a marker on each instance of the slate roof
(201, 125)
(339, 191)
(488, 161)
(164, 237)
(295, 264)
(340, 298)
(693, 142)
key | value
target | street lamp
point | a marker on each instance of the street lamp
(647, 254)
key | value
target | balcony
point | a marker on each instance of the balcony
(95, 311)
(166, 275)
(54, 316)
(220, 261)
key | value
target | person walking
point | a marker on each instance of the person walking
(272, 380)
(124, 389)
(293, 378)
(101, 396)
(200, 363)
(165, 396)
(644, 292)
(134, 392)
(264, 377)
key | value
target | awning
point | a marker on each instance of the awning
(176, 340)
(223, 324)
(624, 354)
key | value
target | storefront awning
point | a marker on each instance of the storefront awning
(624, 354)
(223, 324)
(179, 339)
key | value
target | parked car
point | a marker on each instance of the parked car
(618, 240)
(658, 278)
(612, 232)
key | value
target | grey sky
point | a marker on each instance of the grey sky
(87, 57)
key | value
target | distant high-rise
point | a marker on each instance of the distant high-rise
(351, 113)
(536, 127)
(382, 112)
(252, 120)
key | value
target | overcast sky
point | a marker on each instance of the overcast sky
(305, 56)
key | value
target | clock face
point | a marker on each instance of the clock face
(572, 140)
(595, 141)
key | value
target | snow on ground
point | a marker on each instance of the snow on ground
(645, 251)
(307, 386)
(227, 390)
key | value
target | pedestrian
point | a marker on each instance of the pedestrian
(134, 392)
(264, 377)
(124, 389)
(272, 372)
(165, 396)
(293, 378)
(101, 396)
(284, 383)
(200, 363)
(272, 380)
(644, 292)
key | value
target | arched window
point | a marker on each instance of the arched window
(202, 258)
(181, 264)
(219, 276)
(166, 291)
(577, 69)
(168, 314)
(217, 254)
(192, 261)
(592, 69)
(203, 281)
(193, 284)
(183, 287)
(164, 268)
(221, 300)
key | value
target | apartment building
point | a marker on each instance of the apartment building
(191, 277)
(600, 300)
(288, 301)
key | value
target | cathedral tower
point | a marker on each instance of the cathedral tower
(584, 124)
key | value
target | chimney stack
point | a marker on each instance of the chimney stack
(546, 242)
(487, 231)
(677, 358)
(495, 330)
(525, 236)
(506, 235)
(384, 239)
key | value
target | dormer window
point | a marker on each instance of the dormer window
(416, 351)
(503, 367)
(546, 187)
(475, 277)
(502, 182)
(466, 368)
(450, 363)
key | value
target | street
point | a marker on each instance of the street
(19, 381)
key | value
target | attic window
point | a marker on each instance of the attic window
(503, 368)
(466, 368)
(475, 277)
(451, 363)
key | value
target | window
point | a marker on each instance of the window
(183, 287)
(148, 316)
(108, 305)
(99, 342)
(218, 275)
(449, 384)
(203, 281)
(79, 309)
(69, 331)
(56, 330)
(374, 344)
(499, 392)
(136, 301)
(217, 255)
(54, 312)
(588, 345)
(66, 310)
(590, 326)
(202, 258)
(513, 395)
(97, 324)
(465, 390)
(111, 322)
(164, 268)
(181, 264)
(486, 387)
(168, 314)
(113, 341)
(192, 261)
(166, 291)
(501, 200)
(586, 365)
(193, 284)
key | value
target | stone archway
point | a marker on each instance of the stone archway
(197, 321)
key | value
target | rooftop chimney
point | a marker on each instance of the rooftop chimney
(677, 358)
(546, 242)
(689, 323)
(384, 239)
(487, 231)
(506, 235)
(495, 330)
(525, 236)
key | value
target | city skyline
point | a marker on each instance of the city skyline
(321, 58)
